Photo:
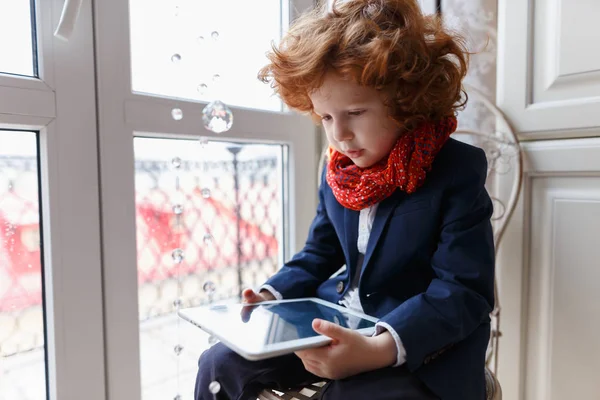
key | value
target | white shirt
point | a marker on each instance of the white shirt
(352, 299)
(365, 225)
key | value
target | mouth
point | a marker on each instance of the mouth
(354, 153)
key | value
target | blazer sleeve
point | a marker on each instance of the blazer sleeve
(321, 256)
(461, 295)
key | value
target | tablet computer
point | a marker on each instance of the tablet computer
(274, 328)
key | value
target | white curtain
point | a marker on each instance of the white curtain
(477, 20)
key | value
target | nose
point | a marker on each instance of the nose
(341, 131)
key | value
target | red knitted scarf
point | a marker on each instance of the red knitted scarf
(405, 168)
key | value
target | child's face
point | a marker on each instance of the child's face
(355, 119)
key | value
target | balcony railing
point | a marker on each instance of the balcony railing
(204, 232)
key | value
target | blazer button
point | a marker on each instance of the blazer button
(340, 287)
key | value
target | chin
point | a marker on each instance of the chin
(363, 163)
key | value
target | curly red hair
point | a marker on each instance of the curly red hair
(385, 44)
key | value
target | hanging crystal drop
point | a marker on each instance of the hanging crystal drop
(200, 39)
(205, 193)
(176, 162)
(217, 117)
(209, 287)
(202, 88)
(214, 35)
(214, 387)
(178, 397)
(178, 349)
(177, 114)
(208, 239)
(212, 340)
(203, 142)
(177, 209)
(216, 78)
(177, 256)
(177, 303)
(176, 58)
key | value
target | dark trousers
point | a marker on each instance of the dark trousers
(241, 379)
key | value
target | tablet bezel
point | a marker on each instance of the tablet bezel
(273, 349)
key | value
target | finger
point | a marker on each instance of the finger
(329, 329)
(317, 354)
(302, 354)
(312, 367)
(249, 296)
(247, 312)
(310, 354)
(305, 354)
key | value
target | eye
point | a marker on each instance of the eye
(326, 118)
(356, 112)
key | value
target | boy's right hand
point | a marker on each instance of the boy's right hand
(249, 296)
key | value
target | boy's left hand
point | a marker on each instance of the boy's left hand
(349, 353)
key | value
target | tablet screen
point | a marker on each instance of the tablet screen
(257, 326)
(293, 320)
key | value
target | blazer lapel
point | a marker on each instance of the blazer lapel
(384, 212)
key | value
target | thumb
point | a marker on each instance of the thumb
(328, 329)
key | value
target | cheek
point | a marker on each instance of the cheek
(387, 142)
(328, 134)
(330, 139)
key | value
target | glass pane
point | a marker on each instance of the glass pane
(16, 38)
(201, 50)
(22, 349)
(193, 247)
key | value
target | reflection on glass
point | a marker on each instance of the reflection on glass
(16, 38)
(260, 325)
(22, 349)
(199, 240)
(219, 52)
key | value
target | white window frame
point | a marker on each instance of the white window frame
(122, 114)
(60, 105)
(428, 6)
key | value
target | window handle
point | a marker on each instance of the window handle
(68, 17)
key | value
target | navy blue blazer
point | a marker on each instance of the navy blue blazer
(428, 270)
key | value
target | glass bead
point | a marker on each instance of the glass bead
(217, 117)
(202, 88)
(178, 349)
(209, 287)
(176, 162)
(177, 114)
(176, 58)
(177, 256)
